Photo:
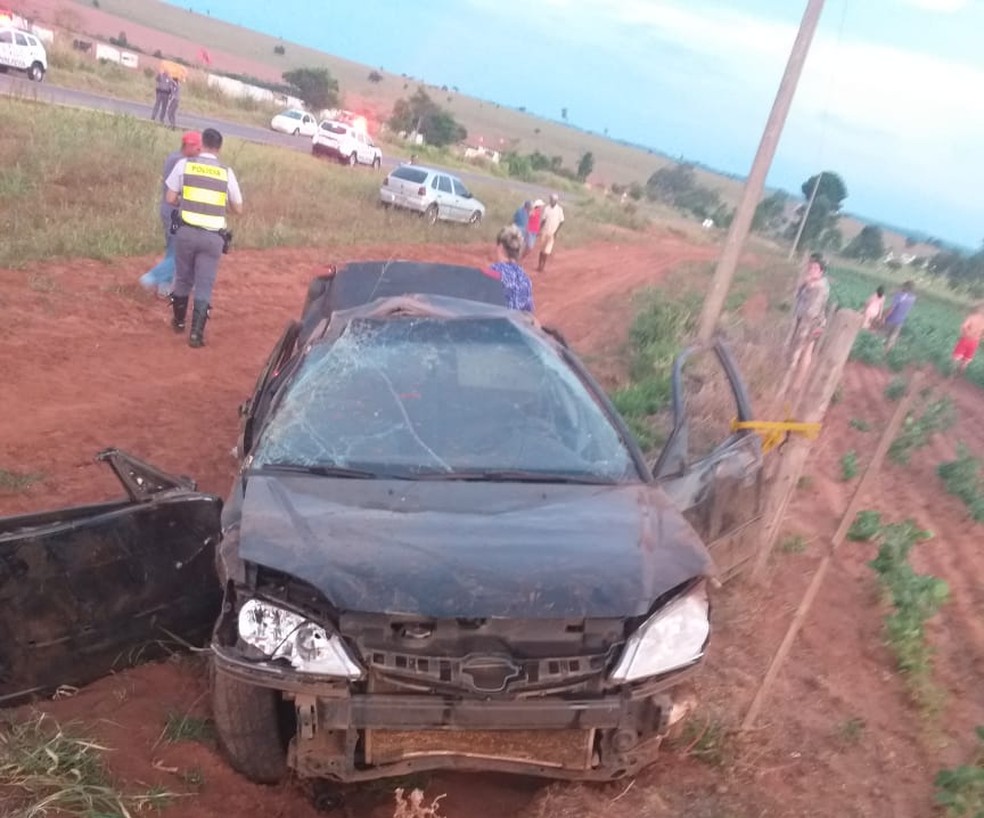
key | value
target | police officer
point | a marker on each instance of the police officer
(204, 190)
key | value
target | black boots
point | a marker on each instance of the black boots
(179, 304)
(198, 319)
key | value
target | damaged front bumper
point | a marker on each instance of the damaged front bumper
(367, 731)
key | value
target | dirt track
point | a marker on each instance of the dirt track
(90, 362)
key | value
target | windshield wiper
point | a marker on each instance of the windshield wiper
(516, 476)
(318, 471)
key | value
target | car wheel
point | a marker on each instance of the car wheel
(376, 163)
(249, 728)
(431, 214)
(475, 218)
(297, 131)
(36, 72)
(353, 160)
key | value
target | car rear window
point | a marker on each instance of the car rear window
(409, 174)
(292, 114)
(333, 127)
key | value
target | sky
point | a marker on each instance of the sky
(891, 97)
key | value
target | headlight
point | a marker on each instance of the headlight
(671, 638)
(282, 634)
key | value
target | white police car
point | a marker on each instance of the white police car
(22, 51)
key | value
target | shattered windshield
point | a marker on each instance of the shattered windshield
(415, 397)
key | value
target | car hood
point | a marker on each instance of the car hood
(467, 549)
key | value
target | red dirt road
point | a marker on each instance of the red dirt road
(90, 362)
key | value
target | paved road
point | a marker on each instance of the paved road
(57, 95)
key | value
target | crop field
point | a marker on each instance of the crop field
(929, 333)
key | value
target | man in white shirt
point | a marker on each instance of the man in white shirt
(206, 190)
(551, 221)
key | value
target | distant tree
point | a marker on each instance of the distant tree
(669, 182)
(444, 88)
(723, 216)
(831, 240)
(911, 241)
(375, 77)
(563, 114)
(454, 88)
(585, 166)
(315, 86)
(421, 114)
(522, 109)
(770, 213)
(539, 161)
(868, 245)
(636, 191)
(279, 49)
(556, 164)
(536, 131)
(825, 211)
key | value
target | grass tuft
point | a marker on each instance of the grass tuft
(938, 416)
(182, 727)
(11, 481)
(849, 465)
(962, 478)
(49, 769)
(960, 790)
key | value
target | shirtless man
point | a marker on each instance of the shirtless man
(970, 336)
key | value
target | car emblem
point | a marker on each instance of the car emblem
(490, 674)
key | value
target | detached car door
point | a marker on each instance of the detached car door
(91, 589)
(712, 473)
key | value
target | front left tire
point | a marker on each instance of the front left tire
(36, 72)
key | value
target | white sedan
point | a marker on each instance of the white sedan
(293, 121)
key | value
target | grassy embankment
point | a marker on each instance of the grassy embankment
(79, 183)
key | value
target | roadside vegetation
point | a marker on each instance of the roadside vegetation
(62, 172)
(52, 769)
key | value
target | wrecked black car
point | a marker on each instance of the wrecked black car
(443, 549)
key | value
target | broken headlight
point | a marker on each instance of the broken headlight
(281, 634)
(673, 637)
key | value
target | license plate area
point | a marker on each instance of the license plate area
(562, 749)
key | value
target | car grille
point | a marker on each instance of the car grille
(488, 674)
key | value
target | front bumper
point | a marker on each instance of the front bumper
(357, 736)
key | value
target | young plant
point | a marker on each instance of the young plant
(896, 388)
(849, 465)
(938, 416)
(960, 790)
(865, 526)
(962, 478)
(914, 598)
(860, 424)
(795, 544)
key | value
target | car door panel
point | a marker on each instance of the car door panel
(720, 493)
(89, 589)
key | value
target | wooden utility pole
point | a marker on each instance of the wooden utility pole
(806, 215)
(828, 367)
(870, 472)
(742, 222)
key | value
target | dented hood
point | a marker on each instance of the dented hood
(466, 549)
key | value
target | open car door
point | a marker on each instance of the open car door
(90, 589)
(713, 474)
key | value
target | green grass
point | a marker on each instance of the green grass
(914, 599)
(849, 465)
(960, 790)
(52, 769)
(860, 424)
(182, 727)
(962, 478)
(851, 730)
(11, 481)
(86, 184)
(794, 544)
(655, 338)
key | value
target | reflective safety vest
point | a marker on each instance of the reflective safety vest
(204, 193)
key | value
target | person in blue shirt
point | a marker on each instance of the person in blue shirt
(898, 311)
(521, 218)
(509, 245)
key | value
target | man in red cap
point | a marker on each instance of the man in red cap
(161, 276)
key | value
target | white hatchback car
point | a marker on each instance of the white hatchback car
(434, 194)
(22, 51)
(346, 144)
(294, 121)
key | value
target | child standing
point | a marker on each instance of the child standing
(873, 309)
(970, 337)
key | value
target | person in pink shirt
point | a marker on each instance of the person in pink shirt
(533, 226)
(873, 309)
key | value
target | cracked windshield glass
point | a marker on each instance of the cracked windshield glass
(417, 396)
